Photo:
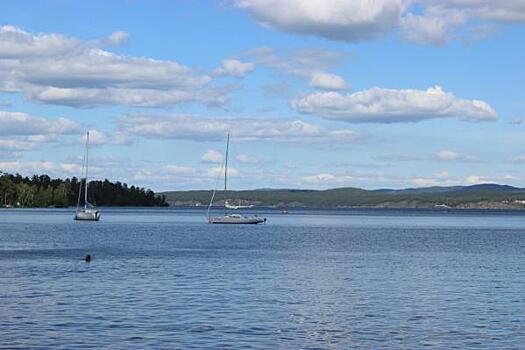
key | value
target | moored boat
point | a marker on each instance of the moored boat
(87, 212)
(231, 218)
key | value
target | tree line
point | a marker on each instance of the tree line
(42, 191)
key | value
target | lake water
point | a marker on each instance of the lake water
(163, 278)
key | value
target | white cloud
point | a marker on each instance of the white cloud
(244, 158)
(509, 11)
(219, 171)
(452, 156)
(17, 43)
(212, 156)
(429, 30)
(327, 178)
(443, 155)
(179, 176)
(442, 178)
(442, 21)
(97, 137)
(423, 21)
(424, 182)
(516, 121)
(53, 68)
(16, 144)
(17, 123)
(118, 38)
(234, 68)
(40, 167)
(242, 129)
(448, 155)
(21, 131)
(179, 170)
(380, 105)
(327, 81)
(334, 19)
(324, 177)
(474, 179)
(8, 155)
(300, 62)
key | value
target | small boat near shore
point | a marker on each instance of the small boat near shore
(231, 218)
(88, 212)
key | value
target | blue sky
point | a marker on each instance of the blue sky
(316, 94)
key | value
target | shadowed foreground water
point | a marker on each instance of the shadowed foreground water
(314, 280)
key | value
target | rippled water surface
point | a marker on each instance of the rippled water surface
(163, 278)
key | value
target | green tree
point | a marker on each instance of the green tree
(26, 195)
(7, 190)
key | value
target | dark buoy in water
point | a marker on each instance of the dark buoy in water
(87, 258)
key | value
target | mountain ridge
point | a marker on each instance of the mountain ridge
(489, 195)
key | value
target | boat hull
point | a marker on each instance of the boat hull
(87, 215)
(239, 220)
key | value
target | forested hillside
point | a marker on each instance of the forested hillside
(477, 196)
(42, 191)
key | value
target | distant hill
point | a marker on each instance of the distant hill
(476, 196)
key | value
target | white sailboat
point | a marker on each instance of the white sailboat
(231, 218)
(88, 212)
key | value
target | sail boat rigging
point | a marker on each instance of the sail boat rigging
(228, 218)
(88, 212)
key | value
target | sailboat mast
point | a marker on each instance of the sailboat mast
(226, 172)
(226, 164)
(87, 163)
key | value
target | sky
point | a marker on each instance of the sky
(315, 93)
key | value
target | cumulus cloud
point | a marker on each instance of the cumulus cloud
(440, 21)
(424, 181)
(327, 178)
(380, 105)
(242, 129)
(117, 38)
(219, 171)
(212, 156)
(244, 158)
(21, 131)
(442, 178)
(97, 137)
(178, 169)
(327, 81)
(39, 167)
(300, 62)
(334, 19)
(509, 11)
(311, 64)
(53, 68)
(475, 179)
(452, 156)
(423, 21)
(426, 30)
(234, 68)
(448, 155)
(17, 123)
(16, 144)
